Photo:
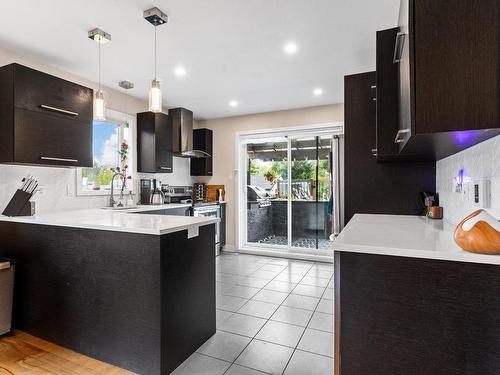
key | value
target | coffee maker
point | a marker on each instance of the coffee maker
(146, 191)
(151, 192)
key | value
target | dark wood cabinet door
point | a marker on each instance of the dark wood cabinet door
(163, 144)
(154, 143)
(371, 187)
(41, 92)
(403, 47)
(42, 138)
(387, 95)
(203, 141)
(457, 67)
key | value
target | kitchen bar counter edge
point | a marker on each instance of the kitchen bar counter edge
(118, 221)
(405, 236)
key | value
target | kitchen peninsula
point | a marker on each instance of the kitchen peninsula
(408, 300)
(136, 291)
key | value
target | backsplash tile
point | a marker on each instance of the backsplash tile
(480, 161)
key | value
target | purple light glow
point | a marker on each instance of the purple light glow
(465, 137)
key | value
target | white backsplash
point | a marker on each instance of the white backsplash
(478, 162)
(57, 182)
(54, 183)
(181, 175)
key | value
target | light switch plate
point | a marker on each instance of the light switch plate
(480, 193)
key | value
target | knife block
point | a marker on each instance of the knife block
(20, 205)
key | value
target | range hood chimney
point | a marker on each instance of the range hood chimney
(182, 134)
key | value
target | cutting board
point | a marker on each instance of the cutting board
(212, 192)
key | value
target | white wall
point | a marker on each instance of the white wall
(225, 130)
(480, 161)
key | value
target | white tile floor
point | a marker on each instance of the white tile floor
(274, 316)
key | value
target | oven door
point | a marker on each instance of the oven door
(211, 211)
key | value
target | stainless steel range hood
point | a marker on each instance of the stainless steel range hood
(182, 134)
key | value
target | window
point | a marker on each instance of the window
(112, 148)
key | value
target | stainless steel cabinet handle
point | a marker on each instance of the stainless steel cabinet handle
(55, 109)
(374, 151)
(398, 47)
(400, 139)
(166, 168)
(59, 159)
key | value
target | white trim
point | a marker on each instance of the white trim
(114, 116)
(285, 254)
(335, 128)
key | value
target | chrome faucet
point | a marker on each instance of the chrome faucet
(111, 199)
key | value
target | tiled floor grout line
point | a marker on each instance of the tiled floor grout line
(288, 294)
(298, 342)
(268, 319)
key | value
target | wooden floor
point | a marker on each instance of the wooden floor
(23, 354)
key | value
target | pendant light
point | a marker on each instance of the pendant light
(101, 37)
(155, 17)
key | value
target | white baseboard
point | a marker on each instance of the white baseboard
(278, 254)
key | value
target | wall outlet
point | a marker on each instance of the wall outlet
(70, 191)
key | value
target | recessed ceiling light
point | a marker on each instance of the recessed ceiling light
(233, 103)
(318, 91)
(180, 71)
(290, 48)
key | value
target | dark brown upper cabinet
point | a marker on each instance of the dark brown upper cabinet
(44, 119)
(385, 94)
(203, 141)
(449, 75)
(154, 143)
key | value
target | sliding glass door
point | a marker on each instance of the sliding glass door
(289, 191)
(311, 192)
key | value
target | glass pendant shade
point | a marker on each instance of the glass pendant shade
(99, 106)
(155, 100)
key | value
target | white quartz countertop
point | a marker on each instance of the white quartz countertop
(405, 236)
(119, 220)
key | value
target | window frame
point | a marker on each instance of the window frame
(118, 117)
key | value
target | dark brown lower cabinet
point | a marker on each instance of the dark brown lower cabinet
(141, 302)
(398, 315)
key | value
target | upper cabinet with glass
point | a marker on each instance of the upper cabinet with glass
(449, 75)
(44, 119)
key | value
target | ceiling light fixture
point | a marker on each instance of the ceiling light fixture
(156, 18)
(290, 48)
(318, 91)
(101, 37)
(233, 103)
(180, 71)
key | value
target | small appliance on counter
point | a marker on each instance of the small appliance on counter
(151, 192)
(146, 191)
(431, 203)
(21, 204)
(157, 196)
(177, 194)
(479, 233)
(200, 192)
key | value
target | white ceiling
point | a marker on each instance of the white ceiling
(231, 49)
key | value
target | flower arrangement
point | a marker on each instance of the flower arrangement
(122, 169)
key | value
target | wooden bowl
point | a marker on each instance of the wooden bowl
(479, 233)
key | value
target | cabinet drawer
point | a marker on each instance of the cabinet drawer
(41, 92)
(42, 138)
